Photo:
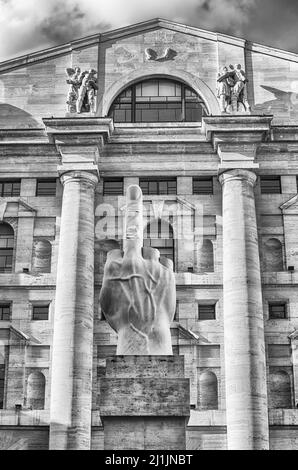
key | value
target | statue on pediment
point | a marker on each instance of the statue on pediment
(81, 95)
(74, 84)
(232, 89)
(225, 83)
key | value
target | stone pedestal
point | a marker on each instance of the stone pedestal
(144, 403)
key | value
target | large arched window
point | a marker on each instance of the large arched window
(158, 100)
(6, 247)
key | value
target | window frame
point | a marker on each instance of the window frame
(267, 190)
(129, 101)
(12, 193)
(45, 194)
(7, 251)
(113, 180)
(5, 305)
(214, 305)
(157, 181)
(278, 303)
(40, 305)
(202, 179)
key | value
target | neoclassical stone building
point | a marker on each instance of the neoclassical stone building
(220, 193)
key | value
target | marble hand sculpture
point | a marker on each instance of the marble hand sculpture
(138, 295)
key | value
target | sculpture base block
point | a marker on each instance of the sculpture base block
(144, 403)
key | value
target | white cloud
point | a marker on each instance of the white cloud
(27, 25)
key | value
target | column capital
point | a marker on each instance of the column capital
(79, 176)
(238, 174)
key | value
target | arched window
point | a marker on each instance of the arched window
(158, 100)
(159, 234)
(42, 251)
(206, 257)
(273, 256)
(6, 247)
(208, 391)
(36, 391)
(280, 390)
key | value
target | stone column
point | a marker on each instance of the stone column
(244, 344)
(71, 386)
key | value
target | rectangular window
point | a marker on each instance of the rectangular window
(203, 185)
(5, 312)
(5, 261)
(158, 186)
(46, 187)
(270, 185)
(207, 312)
(10, 188)
(113, 187)
(277, 310)
(40, 312)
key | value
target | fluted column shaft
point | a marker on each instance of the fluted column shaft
(71, 386)
(244, 344)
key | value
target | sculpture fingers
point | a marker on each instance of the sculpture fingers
(150, 253)
(133, 238)
(167, 263)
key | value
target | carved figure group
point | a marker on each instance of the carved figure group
(232, 89)
(82, 91)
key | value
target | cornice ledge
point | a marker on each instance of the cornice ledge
(237, 129)
(78, 130)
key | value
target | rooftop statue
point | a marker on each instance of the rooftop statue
(82, 91)
(232, 89)
(138, 295)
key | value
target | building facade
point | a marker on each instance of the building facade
(220, 200)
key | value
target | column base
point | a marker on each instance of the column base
(144, 403)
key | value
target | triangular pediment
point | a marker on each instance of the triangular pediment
(15, 207)
(290, 206)
(139, 29)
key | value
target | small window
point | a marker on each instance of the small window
(270, 185)
(203, 185)
(158, 186)
(5, 310)
(113, 187)
(40, 312)
(10, 188)
(207, 312)
(277, 311)
(46, 187)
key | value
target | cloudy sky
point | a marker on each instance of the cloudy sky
(30, 25)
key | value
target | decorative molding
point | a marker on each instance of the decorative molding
(291, 202)
(169, 54)
(293, 335)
